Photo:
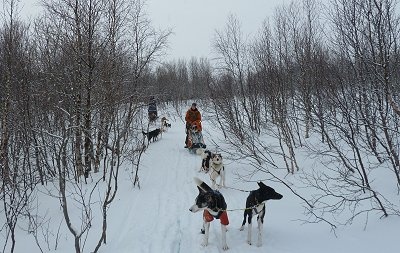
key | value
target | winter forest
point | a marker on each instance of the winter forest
(75, 83)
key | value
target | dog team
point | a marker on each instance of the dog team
(213, 204)
(210, 200)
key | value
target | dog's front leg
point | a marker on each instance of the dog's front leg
(249, 233)
(222, 179)
(244, 220)
(202, 167)
(213, 184)
(206, 233)
(223, 232)
(260, 232)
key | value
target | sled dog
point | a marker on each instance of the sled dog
(255, 206)
(217, 169)
(205, 161)
(152, 135)
(214, 207)
(164, 124)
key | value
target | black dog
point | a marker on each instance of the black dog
(214, 206)
(205, 162)
(152, 135)
(255, 205)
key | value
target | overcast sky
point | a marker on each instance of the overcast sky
(194, 22)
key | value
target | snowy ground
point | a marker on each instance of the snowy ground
(156, 217)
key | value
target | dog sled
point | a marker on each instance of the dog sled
(195, 143)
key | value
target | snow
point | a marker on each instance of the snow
(156, 217)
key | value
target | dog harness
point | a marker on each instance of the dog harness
(222, 216)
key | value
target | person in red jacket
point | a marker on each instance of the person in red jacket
(192, 115)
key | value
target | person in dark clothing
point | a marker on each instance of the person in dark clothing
(152, 109)
(192, 116)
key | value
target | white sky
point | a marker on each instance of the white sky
(194, 22)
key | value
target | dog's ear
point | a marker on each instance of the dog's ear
(201, 185)
(197, 181)
(200, 190)
(261, 184)
(206, 187)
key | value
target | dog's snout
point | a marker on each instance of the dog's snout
(194, 208)
(217, 158)
(278, 196)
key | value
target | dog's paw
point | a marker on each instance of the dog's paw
(225, 247)
(204, 244)
(249, 242)
(241, 228)
(259, 244)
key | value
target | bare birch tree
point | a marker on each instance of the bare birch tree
(18, 180)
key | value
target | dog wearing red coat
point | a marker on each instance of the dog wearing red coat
(213, 204)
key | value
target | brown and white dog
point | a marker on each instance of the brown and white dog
(164, 124)
(217, 169)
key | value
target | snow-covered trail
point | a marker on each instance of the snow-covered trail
(157, 217)
(154, 220)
